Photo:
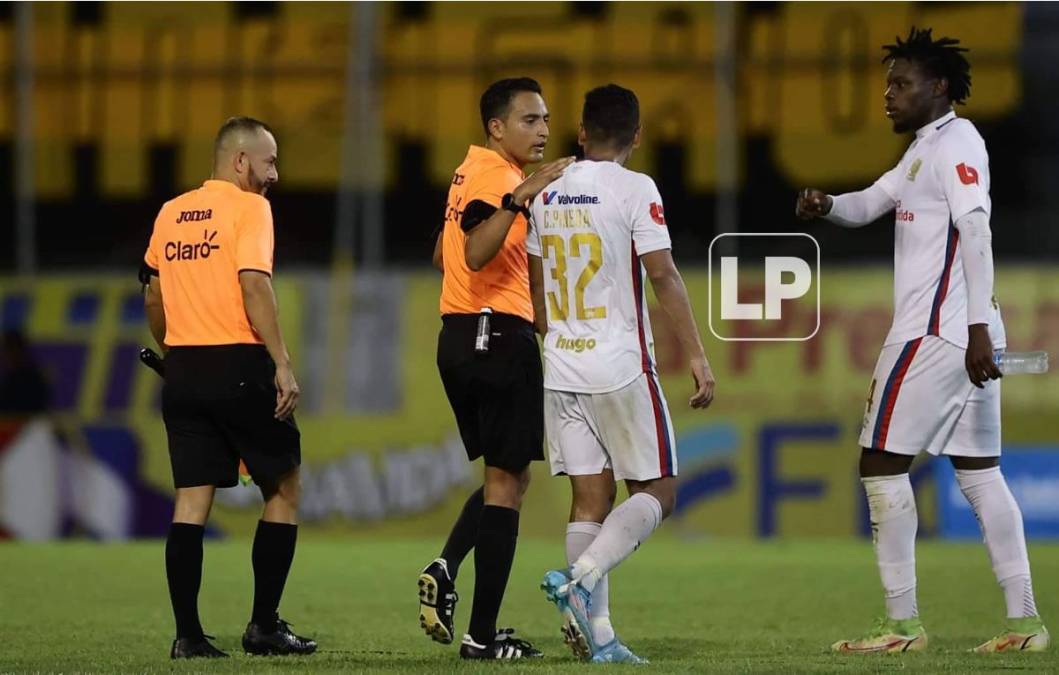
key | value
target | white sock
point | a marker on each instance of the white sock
(622, 532)
(578, 538)
(1001, 522)
(892, 507)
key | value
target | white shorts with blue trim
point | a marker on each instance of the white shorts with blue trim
(922, 399)
(628, 431)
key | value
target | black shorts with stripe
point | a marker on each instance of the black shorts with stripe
(497, 396)
(218, 403)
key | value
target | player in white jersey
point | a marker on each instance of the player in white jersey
(593, 234)
(936, 386)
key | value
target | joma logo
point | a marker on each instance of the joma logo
(190, 216)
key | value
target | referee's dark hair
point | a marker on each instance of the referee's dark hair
(497, 98)
(235, 125)
(611, 115)
(940, 58)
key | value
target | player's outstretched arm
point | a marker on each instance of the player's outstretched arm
(853, 209)
(536, 278)
(673, 297)
(152, 305)
(486, 238)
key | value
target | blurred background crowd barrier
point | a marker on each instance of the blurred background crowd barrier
(776, 454)
(108, 109)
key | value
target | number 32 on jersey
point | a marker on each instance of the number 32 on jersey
(581, 245)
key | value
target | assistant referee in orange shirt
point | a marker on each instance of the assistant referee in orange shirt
(229, 391)
(489, 359)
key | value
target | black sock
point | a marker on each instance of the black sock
(464, 532)
(493, 554)
(272, 556)
(183, 569)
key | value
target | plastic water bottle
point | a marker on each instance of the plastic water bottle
(1015, 363)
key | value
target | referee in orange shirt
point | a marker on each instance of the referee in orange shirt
(229, 391)
(489, 359)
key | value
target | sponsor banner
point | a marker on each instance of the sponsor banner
(775, 455)
(1032, 474)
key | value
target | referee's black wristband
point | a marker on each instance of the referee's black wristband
(507, 202)
(146, 272)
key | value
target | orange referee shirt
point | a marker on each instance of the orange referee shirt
(201, 241)
(503, 284)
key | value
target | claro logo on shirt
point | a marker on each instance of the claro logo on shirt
(178, 250)
(968, 174)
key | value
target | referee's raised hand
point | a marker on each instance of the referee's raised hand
(540, 179)
(287, 392)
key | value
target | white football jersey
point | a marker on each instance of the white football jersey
(943, 176)
(590, 228)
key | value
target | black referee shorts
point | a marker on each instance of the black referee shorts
(498, 396)
(218, 404)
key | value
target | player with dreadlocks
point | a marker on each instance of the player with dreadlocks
(936, 385)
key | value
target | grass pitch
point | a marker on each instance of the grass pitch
(704, 606)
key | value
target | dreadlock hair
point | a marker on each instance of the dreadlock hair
(941, 58)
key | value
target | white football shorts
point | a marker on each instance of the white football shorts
(921, 399)
(628, 431)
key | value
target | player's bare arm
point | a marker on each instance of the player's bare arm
(485, 239)
(673, 297)
(260, 302)
(152, 304)
(536, 277)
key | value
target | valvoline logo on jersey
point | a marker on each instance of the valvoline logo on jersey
(554, 197)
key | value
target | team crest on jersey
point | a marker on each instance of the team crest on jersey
(968, 174)
(914, 169)
(658, 214)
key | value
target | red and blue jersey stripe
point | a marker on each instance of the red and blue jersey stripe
(637, 289)
(934, 325)
(666, 451)
(663, 425)
(890, 393)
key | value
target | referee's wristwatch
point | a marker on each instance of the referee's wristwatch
(507, 202)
